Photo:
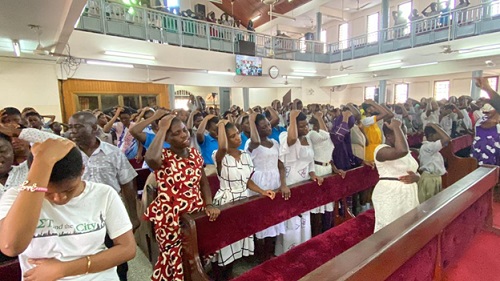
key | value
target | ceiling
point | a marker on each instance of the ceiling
(245, 10)
(55, 18)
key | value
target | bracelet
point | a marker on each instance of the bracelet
(31, 188)
(89, 263)
(209, 205)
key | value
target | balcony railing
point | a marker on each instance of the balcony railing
(155, 26)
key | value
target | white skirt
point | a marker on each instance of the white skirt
(268, 181)
(323, 171)
(298, 230)
(391, 200)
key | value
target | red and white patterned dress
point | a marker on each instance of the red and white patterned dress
(178, 193)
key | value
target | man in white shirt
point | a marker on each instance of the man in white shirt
(105, 163)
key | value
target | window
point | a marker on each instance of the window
(495, 9)
(343, 36)
(370, 93)
(401, 93)
(405, 13)
(302, 45)
(441, 90)
(493, 81)
(103, 101)
(323, 40)
(372, 28)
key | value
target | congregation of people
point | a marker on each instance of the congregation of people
(68, 198)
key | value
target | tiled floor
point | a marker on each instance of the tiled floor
(139, 269)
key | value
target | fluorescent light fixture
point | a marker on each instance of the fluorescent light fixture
(419, 65)
(221, 73)
(385, 63)
(17, 48)
(293, 77)
(105, 63)
(311, 71)
(483, 48)
(337, 76)
(256, 18)
(129, 55)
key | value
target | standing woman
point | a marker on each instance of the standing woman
(297, 154)
(182, 188)
(486, 145)
(396, 192)
(234, 169)
(321, 217)
(269, 174)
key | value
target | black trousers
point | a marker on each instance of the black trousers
(122, 269)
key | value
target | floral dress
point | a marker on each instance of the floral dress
(178, 193)
(486, 145)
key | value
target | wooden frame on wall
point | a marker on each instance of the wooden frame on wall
(71, 89)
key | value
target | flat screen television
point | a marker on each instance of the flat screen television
(248, 65)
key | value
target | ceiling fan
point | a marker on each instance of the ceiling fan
(285, 82)
(358, 8)
(342, 67)
(342, 19)
(41, 50)
(149, 80)
(446, 49)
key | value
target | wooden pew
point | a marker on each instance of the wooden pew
(246, 217)
(419, 244)
(457, 167)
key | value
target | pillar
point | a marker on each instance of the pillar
(224, 99)
(319, 25)
(475, 92)
(171, 96)
(382, 90)
(246, 98)
(384, 23)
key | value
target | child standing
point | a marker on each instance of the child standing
(431, 161)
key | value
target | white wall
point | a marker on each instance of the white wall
(30, 84)
(460, 84)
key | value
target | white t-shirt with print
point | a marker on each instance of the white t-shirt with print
(76, 229)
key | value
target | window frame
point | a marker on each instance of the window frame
(435, 92)
(366, 92)
(396, 92)
(343, 43)
(370, 38)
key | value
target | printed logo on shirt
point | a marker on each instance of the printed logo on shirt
(49, 227)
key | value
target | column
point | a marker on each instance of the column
(319, 25)
(475, 92)
(385, 14)
(224, 99)
(382, 87)
(246, 98)
(171, 96)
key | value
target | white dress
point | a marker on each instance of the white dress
(392, 198)
(267, 176)
(323, 149)
(233, 179)
(299, 161)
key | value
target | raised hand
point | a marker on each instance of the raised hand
(52, 150)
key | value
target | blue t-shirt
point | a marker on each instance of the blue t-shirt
(244, 139)
(149, 139)
(208, 147)
(275, 134)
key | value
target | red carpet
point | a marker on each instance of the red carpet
(481, 261)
